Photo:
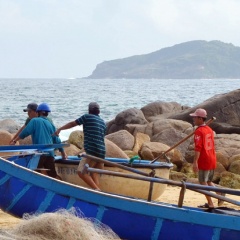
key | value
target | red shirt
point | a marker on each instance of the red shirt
(204, 143)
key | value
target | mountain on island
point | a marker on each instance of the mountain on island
(190, 60)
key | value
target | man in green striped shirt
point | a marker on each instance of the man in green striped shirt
(94, 130)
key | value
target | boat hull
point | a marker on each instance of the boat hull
(25, 191)
(67, 170)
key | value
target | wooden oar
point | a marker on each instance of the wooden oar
(193, 187)
(183, 140)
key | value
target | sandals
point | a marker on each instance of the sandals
(205, 205)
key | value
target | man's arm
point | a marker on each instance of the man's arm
(14, 139)
(66, 126)
(195, 161)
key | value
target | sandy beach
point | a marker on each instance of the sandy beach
(7, 221)
(170, 195)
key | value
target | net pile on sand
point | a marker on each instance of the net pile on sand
(61, 225)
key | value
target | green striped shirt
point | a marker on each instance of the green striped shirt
(94, 130)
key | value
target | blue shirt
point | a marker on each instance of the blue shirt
(94, 130)
(41, 130)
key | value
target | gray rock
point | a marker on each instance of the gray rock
(71, 150)
(140, 138)
(178, 176)
(77, 138)
(171, 137)
(112, 150)
(159, 108)
(234, 167)
(9, 125)
(225, 107)
(122, 139)
(129, 116)
(230, 180)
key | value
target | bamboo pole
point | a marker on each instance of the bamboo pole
(180, 142)
(163, 180)
(194, 187)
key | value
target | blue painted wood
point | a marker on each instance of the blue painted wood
(32, 147)
(136, 163)
(25, 191)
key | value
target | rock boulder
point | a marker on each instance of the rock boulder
(9, 125)
(76, 138)
(129, 116)
(112, 150)
(122, 139)
(160, 108)
(225, 107)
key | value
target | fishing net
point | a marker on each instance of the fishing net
(61, 225)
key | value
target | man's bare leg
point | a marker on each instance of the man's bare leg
(220, 202)
(89, 180)
(95, 176)
(209, 199)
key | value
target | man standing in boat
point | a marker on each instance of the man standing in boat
(205, 157)
(94, 130)
(32, 113)
(41, 131)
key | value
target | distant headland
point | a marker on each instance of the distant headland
(190, 60)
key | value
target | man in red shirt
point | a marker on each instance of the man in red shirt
(205, 157)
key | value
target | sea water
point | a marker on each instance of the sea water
(69, 98)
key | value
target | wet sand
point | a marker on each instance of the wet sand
(170, 195)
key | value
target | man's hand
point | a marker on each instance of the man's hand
(64, 156)
(195, 167)
(12, 142)
(56, 133)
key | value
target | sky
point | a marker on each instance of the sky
(68, 38)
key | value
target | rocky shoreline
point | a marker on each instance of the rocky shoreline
(153, 129)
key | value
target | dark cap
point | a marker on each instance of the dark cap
(31, 106)
(93, 106)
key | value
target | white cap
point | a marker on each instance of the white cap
(199, 113)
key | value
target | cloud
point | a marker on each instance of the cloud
(52, 38)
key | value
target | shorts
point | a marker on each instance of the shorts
(47, 162)
(205, 175)
(90, 162)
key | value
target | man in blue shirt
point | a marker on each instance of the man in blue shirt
(94, 130)
(31, 111)
(41, 131)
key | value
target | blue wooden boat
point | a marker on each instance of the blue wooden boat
(23, 190)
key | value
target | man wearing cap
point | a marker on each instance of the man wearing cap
(94, 130)
(31, 111)
(41, 131)
(205, 157)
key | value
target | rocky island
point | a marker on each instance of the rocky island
(190, 60)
